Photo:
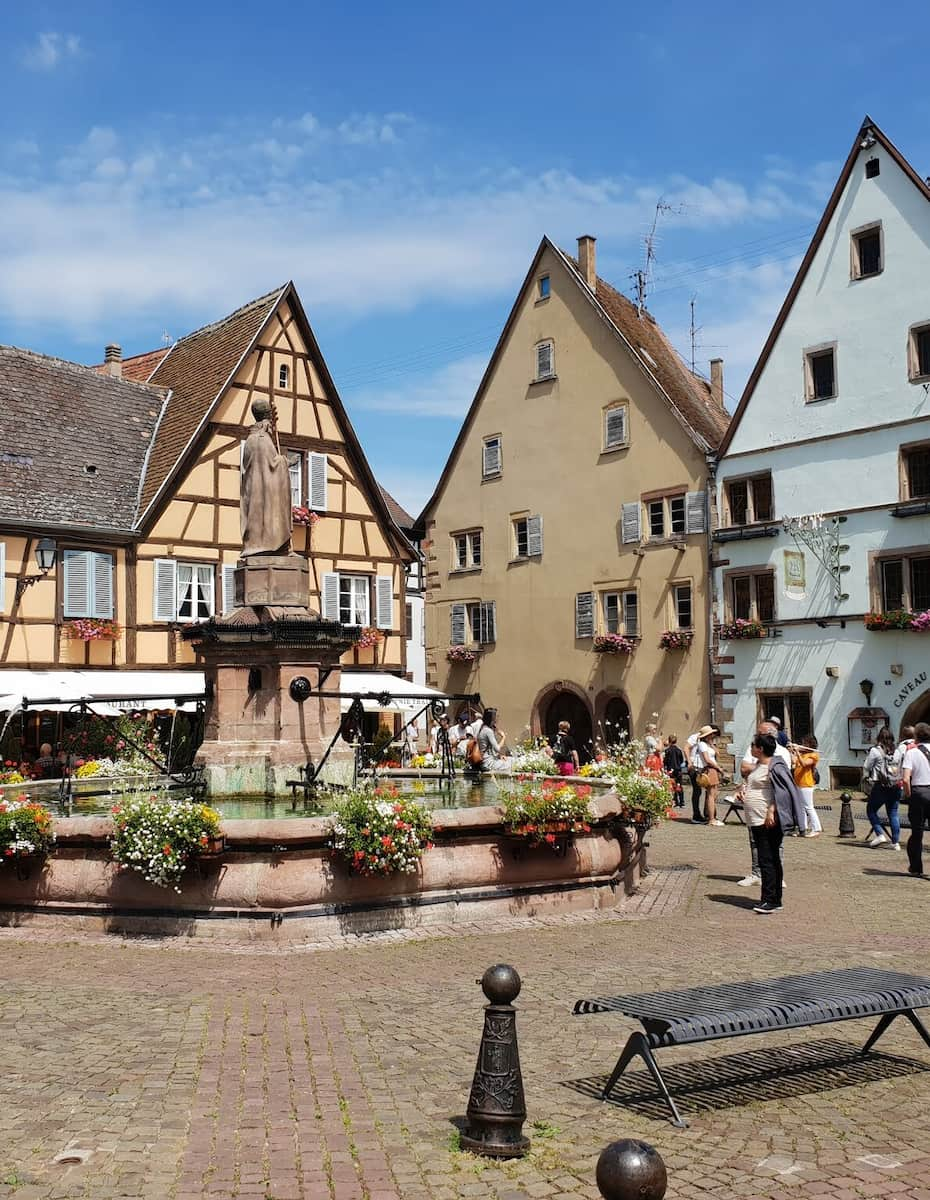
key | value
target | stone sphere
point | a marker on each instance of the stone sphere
(501, 984)
(631, 1170)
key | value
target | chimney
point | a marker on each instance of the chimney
(716, 381)
(587, 263)
(113, 360)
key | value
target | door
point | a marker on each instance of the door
(566, 706)
(616, 721)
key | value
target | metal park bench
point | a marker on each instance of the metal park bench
(704, 1014)
(736, 806)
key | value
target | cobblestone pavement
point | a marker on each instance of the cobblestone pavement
(189, 1072)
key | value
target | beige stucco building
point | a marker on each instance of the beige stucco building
(574, 505)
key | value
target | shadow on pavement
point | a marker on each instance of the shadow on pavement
(781, 1073)
(736, 901)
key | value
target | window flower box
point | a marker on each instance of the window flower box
(368, 638)
(462, 654)
(304, 516)
(92, 629)
(613, 643)
(742, 630)
(676, 639)
(898, 618)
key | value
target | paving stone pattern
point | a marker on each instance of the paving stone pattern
(185, 1071)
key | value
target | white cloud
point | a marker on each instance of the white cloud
(51, 49)
(445, 392)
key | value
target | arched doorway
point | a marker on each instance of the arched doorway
(917, 711)
(566, 706)
(616, 721)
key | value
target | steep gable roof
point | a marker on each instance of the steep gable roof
(688, 396)
(73, 442)
(401, 518)
(138, 367)
(197, 369)
(866, 130)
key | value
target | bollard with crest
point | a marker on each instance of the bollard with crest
(847, 821)
(631, 1170)
(496, 1106)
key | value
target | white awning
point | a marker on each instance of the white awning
(126, 690)
(408, 697)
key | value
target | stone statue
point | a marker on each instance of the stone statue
(265, 504)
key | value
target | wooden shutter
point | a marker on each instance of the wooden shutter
(491, 458)
(165, 601)
(329, 596)
(615, 426)
(77, 583)
(543, 360)
(459, 619)
(487, 622)
(384, 601)
(695, 512)
(534, 535)
(631, 523)
(102, 598)
(584, 615)
(319, 483)
(229, 588)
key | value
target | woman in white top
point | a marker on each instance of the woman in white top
(704, 759)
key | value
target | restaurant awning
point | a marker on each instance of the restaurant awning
(123, 691)
(374, 686)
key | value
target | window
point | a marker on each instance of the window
(793, 709)
(752, 596)
(295, 469)
(309, 475)
(354, 599)
(491, 457)
(621, 613)
(545, 360)
(676, 514)
(918, 353)
(615, 421)
(527, 537)
(873, 168)
(466, 550)
(348, 599)
(916, 463)
(184, 591)
(749, 500)
(820, 374)
(87, 584)
(905, 583)
(284, 375)
(542, 287)
(656, 518)
(684, 613)
(866, 252)
(408, 620)
(476, 622)
(667, 516)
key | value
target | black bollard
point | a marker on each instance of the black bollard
(631, 1170)
(496, 1106)
(847, 821)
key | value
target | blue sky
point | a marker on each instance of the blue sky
(161, 164)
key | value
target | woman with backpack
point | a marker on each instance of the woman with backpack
(804, 760)
(881, 784)
(484, 749)
(564, 750)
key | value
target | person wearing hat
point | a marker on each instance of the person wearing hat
(780, 736)
(704, 760)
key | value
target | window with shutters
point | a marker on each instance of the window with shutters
(616, 417)
(229, 587)
(749, 500)
(584, 615)
(318, 484)
(184, 591)
(820, 373)
(750, 596)
(297, 472)
(682, 606)
(656, 512)
(491, 457)
(482, 622)
(904, 582)
(674, 515)
(545, 360)
(466, 550)
(355, 599)
(620, 612)
(915, 473)
(918, 353)
(866, 255)
(87, 584)
(527, 537)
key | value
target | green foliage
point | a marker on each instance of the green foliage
(25, 828)
(379, 831)
(542, 811)
(646, 790)
(158, 837)
(100, 738)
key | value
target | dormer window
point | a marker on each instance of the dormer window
(866, 256)
(284, 375)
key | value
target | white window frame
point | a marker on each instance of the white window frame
(296, 460)
(284, 377)
(359, 588)
(467, 539)
(676, 588)
(623, 600)
(202, 578)
(620, 443)
(545, 360)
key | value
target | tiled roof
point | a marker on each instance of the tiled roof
(196, 370)
(72, 442)
(138, 367)
(689, 394)
(401, 518)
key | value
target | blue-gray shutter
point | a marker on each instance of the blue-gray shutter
(319, 483)
(77, 583)
(491, 457)
(631, 522)
(695, 512)
(102, 598)
(329, 596)
(384, 602)
(459, 621)
(615, 426)
(584, 615)
(534, 535)
(165, 598)
(229, 588)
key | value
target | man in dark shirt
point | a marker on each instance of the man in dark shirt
(46, 766)
(673, 763)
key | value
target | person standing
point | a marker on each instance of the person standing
(882, 772)
(781, 737)
(564, 750)
(696, 815)
(746, 766)
(704, 757)
(765, 830)
(673, 763)
(804, 763)
(917, 793)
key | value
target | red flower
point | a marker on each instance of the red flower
(550, 838)
(8, 852)
(166, 850)
(387, 842)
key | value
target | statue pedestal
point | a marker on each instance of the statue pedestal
(256, 733)
(273, 579)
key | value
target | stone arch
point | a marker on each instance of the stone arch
(564, 701)
(612, 715)
(917, 711)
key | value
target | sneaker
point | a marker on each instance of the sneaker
(879, 840)
(715, 822)
(765, 909)
(895, 846)
(748, 881)
(813, 833)
(870, 837)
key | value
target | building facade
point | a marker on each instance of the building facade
(824, 480)
(128, 476)
(573, 508)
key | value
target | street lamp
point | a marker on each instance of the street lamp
(46, 555)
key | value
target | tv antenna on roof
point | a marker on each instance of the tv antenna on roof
(643, 278)
(166, 338)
